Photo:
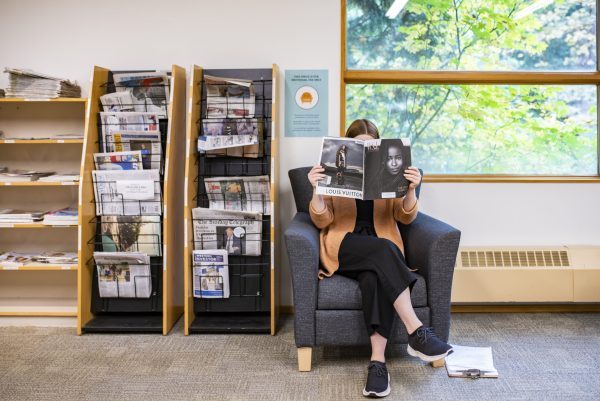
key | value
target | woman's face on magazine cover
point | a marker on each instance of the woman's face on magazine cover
(393, 163)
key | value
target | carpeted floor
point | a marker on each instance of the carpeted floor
(539, 357)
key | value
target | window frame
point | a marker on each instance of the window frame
(475, 77)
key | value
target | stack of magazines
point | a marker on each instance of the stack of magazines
(14, 216)
(63, 217)
(18, 259)
(17, 175)
(34, 85)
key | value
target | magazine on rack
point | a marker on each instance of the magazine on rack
(128, 160)
(211, 274)
(239, 233)
(129, 192)
(229, 97)
(150, 90)
(123, 121)
(131, 234)
(372, 169)
(118, 101)
(123, 274)
(250, 193)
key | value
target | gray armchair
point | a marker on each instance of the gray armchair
(329, 312)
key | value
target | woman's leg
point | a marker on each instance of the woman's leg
(378, 343)
(406, 311)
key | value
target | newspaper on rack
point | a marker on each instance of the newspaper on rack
(130, 192)
(125, 121)
(211, 274)
(229, 97)
(118, 101)
(35, 85)
(131, 234)
(250, 193)
(150, 90)
(128, 160)
(147, 142)
(123, 274)
(239, 233)
(221, 133)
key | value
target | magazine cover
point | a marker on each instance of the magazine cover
(372, 169)
(211, 274)
(239, 233)
(131, 234)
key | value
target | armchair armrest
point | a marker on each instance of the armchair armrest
(302, 243)
(431, 246)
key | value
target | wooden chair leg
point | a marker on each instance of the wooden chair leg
(439, 363)
(304, 359)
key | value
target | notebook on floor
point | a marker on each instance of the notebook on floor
(472, 362)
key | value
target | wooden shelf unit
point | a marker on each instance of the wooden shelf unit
(39, 290)
(170, 309)
(223, 319)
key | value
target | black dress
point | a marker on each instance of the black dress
(379, 267)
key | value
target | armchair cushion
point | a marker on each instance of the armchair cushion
(339, 292)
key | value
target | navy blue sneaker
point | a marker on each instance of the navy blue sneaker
(424, 344)
(378, 380)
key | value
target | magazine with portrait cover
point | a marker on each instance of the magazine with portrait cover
(372, 169)
(239, 233)
(127, 192)
(123, 274)
(150, 90)
(131, 234)
(211, 273)
(250, 193)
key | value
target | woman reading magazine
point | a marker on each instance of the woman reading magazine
(360, 240)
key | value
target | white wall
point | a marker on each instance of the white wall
(67, 37)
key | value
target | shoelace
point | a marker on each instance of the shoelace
(424, 333)
(379, 370)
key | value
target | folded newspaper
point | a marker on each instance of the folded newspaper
(251, 193)
(128, 192)
(35, 85)
(229, 97)
(149, 90)
(239, 233)
(123, 274)
(131, 234)
(211, 274)
(372, 169)
(127, 160)
(147, 142)
(112, 122)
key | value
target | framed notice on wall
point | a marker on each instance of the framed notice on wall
(306, 102)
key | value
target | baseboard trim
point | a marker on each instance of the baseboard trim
(524, 308)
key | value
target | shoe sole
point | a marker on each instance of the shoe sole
(374, 394)
(426, 358)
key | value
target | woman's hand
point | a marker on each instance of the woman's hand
(316, 174)
(413, 176)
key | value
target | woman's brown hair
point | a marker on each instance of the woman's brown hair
(360, 127)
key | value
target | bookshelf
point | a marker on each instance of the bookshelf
(253, 305)
(28, 126)
(158, 313)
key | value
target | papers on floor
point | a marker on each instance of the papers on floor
(16, 216)
(19, 259)
(34, 85)
(239, 233)
(229, 97)
(129, 192)
(19, 175)
(250, 193)
(211, 274)
(123, 274)
(471, 362)
(63, 217)
(131, 234)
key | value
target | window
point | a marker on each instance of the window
(507, 87)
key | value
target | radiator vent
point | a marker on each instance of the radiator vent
(513, 258)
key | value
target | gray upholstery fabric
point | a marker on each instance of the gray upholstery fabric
(328, 312)
(339, 292)
(347, 327)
